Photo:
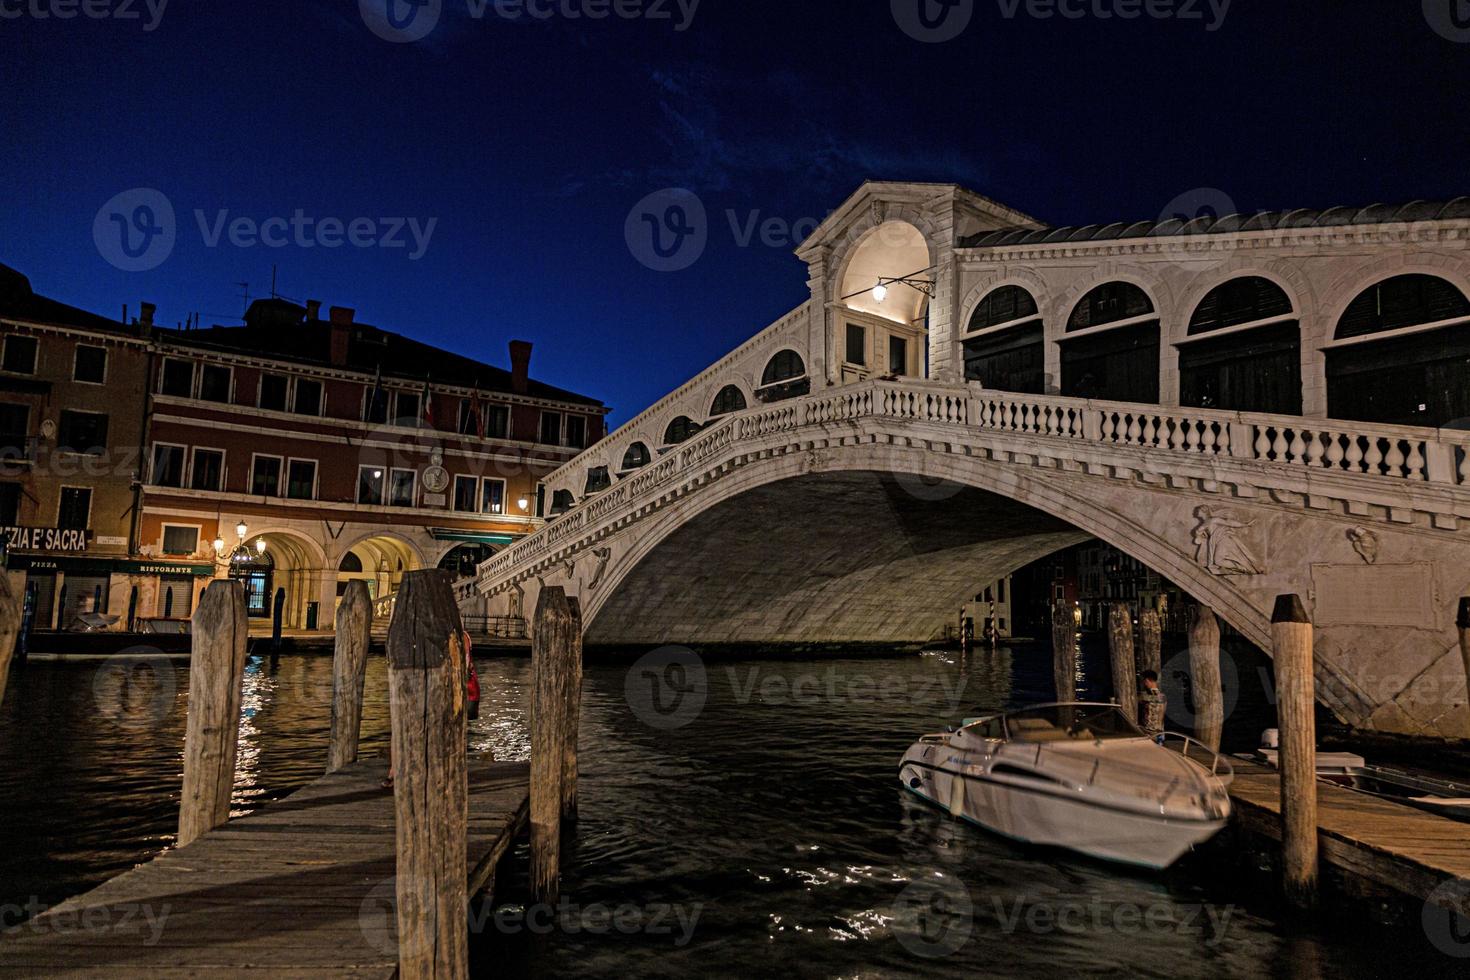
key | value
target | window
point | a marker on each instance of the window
(576, 436)
(90, 365)
(406, 408)
(214, 383)
(15, 422)
(82, 432)
(9, 504)
(497, 422)
(898, 356)
(1110, 303)
(400, 488)
(730, 399)
(784, 377)
(75, 508)
(308, 397)
(468, 423)
(857, 344)
(465, 488)
(273, 392)
(682, 429)
(551, 428)
(598, 480)
(370, 481)
(1007, 304)
(180, 540)
(375, 406)
(20, 354)
(492, 496)
(1254, 368)
(177, 378)
(636, 457)
(208, 472)
(301, 479)
(265, 476)
(1418, 376)
(168, 465)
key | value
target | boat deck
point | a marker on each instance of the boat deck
(1389, 844)
(301, 887)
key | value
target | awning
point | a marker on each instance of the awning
(471, 537)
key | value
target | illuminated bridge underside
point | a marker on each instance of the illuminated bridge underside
(836, 557)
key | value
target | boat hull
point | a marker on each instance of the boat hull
(1041, 815)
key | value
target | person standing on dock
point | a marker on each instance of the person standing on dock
(1152, 704)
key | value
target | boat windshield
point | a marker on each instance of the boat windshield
(1063, 722)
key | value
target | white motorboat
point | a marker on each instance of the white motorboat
(1076, 775)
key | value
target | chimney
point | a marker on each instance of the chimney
(313, 309)
(342, 314)
(520, 365)
(146, 311)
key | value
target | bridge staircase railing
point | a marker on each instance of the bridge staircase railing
(1414, 455)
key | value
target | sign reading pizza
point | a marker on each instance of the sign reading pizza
(63, 540)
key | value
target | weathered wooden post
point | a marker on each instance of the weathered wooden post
(216, 676)
(574, 714)
(10, 614)
(1064, 651)
(1291, 638)
(426, 685)
(1120, 647)
(1462, 621)
(1204, 672)
(1150, 641)
(551, 648)
(349, 668)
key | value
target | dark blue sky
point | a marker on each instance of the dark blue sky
(530, 142)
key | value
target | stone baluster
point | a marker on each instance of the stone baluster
(1414, 463)
(1374, 457)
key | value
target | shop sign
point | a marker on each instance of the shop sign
(63, 540)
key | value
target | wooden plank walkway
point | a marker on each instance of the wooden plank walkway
(302, 887)
(1388, 844)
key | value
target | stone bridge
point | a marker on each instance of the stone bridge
(785, 495)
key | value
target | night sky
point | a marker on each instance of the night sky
(528, 142)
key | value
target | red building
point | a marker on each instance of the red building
(299, 453)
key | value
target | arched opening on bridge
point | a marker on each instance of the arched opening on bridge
(883, 309)
(730, 399)
(1111, 351)
(463, 560)
(1004, 344)
(1401, 355)
(1243, 352)
(785, 376)
(635, 457)
(682, 429)
(380, 561)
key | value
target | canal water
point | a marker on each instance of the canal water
(740, 816)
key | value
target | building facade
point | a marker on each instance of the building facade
(71, 438)
(296, 453)
(299, 453)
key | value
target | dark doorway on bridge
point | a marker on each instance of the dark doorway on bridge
(1243, 352)
(1004, 345)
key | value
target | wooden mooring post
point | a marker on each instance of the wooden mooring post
(1120, 648)
(11, 608)
(574, 714)
(1204, 672)
(1150, 641)
(556, 642)
(426, 685)
(212, 735)
(1064, 651)
(349, 669)
(1291, 638)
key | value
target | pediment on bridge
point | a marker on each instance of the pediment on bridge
(944, 212)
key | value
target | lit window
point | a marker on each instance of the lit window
(492, 497)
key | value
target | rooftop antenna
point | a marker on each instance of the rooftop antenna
(245, 293)
(274, 294)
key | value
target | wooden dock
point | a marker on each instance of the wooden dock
(1373, 842)
(302, 887)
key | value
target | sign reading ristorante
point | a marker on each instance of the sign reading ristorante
(65, 540)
